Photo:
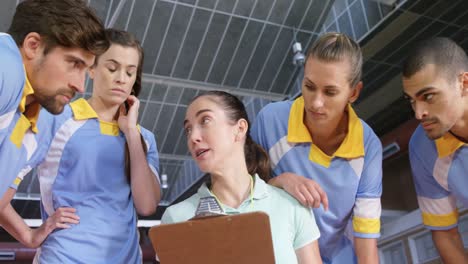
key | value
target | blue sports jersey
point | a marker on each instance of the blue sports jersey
(84, 169)
(21, 144)
(440, 171)
(352, 177)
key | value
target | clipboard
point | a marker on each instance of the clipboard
(242, 238)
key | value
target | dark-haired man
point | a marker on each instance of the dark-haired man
(44, 58)
(435, 80)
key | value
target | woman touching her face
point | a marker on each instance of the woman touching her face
(102, 164)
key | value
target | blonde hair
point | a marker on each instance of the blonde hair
(333, 47)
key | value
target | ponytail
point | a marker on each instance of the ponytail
(257, 159)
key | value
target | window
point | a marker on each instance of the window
(463, 229)
(393, 253)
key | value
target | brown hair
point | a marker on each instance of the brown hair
(67, 23)
(449, 58)
(126, 39)
(333, 47)
(255, 156)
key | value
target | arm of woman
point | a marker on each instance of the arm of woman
(309, 253)
(33, 238)
(450, 245)
(307, 235)
(367, 207)
(144, 185)
(366, 250)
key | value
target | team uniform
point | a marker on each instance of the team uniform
(85, 169)
(292, 225)
(352, 177)
(439, 170)
(21, 144)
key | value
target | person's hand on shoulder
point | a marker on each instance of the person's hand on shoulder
(308, 192)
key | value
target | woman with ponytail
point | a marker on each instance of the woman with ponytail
(217, 130)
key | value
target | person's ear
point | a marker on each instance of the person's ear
(242, 127)
(464, 83)
(356, 91)
(33, 46)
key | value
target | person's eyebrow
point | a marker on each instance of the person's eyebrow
(199, 113)
(423, 91)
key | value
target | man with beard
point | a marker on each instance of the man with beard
(44, 58)
(435, 81)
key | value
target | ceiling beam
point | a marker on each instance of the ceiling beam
(116, 14)
(205, 86)
(384, 96)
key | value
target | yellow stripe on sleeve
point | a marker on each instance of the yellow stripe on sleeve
(17, 181)
(440, 220)
(366, 225)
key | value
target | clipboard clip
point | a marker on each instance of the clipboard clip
(208, 207)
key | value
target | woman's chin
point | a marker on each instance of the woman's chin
(204, 167)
